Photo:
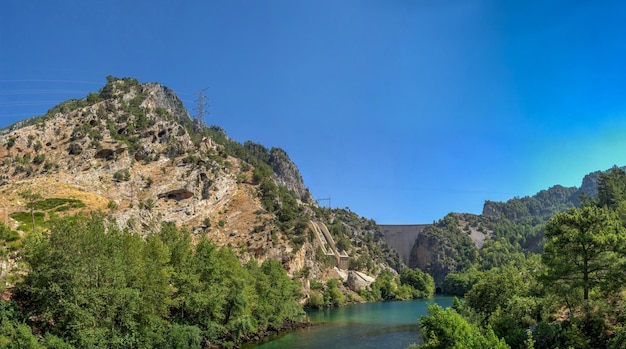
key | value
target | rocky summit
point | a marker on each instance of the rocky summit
(132, 151)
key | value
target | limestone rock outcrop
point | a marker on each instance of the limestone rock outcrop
(132, 150)
(287, 173)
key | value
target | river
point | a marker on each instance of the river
(387, 325)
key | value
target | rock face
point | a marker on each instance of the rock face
(287, 173)
(358, 281)
(427, 254)
(589, 186)
(128, 145)
(132, 150)
(490, 210)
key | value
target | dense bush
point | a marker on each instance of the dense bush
(90, 284)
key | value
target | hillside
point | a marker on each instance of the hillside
(503, 232)
(132, 150)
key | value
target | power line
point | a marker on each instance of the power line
(55, 81)
(23, 103)
(32, 92)
(16, 115)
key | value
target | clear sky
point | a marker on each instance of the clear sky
(402, 110)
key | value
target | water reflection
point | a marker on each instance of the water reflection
(374, 325)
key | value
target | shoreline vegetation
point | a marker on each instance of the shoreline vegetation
(571, 293)
(269, 335)
(90, 284)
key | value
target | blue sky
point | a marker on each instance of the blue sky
(402, 110)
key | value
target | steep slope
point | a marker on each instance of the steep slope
(133, 151)
(501, 233)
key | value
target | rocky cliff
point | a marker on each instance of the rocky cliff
(131, 150)
(503, 229)
(287, 173)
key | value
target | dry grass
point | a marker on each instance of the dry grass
(49, 188)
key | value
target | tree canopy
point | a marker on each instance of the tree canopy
(584, 249)
(92, 285)
(446, 329)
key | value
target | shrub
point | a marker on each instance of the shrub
(39, 159)
(74, 149)
(120, 176)
(112, 205)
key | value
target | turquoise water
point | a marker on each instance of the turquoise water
(387, 325)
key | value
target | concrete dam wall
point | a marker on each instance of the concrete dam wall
(402, 238)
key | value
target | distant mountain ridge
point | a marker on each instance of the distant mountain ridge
(133, 151)
(461, 239)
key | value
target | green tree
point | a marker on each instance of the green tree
(612, 188)
(495, 288)
(585, 248)
(458, 284)
(95, 285)
(385, 286)
(332, 295)
(446, 329)
(276, 294)
(420, 281)
(31, 197)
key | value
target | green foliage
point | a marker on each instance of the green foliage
(409, 284)
(162, 112)
(585, 248)
(120, 175)
(316, 300)
(316, 285)
(566, 334)
(458, 284)
(385, 285)
(87, 273)
(31, 197)
(580, 273)
(332, 295)
(542, 205)
(114, 85)
(277, 294)
(56, 203)
(149, 205)
(495, 287)
(37, 147)
(619, 340)
(456, 248)
(25, 219)
(93, 98)
(612, 188)
(90, 284)
(7, 234)
(39, 159)
(74, 149)
(446, 329)
(183, 336)
(419, 281)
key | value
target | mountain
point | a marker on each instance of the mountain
(132, 150)
(502, 232)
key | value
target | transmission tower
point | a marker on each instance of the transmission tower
(202, 109)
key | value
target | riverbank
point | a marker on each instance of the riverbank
(265, 336)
